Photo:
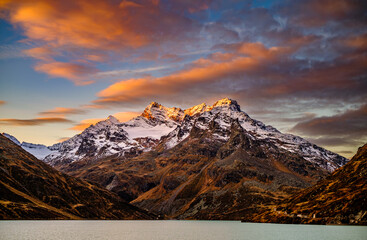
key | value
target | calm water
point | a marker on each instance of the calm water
(174, 230)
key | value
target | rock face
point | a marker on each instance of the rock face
(205, 162)
(31, 189)
(341, 198)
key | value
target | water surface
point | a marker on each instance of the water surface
(205, 230)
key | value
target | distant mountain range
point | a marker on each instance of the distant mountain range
(31, 189)
(205, 162)
(40, 151)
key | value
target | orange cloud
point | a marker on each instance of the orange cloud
(42, 53)
(2, 102)
(245, 58)
(85, 123)
(126, 116)
(61, 111)
(121, 116)
(76, 72)
(83, 29)
(32, 122)
(63, 139)
(84, 23)
(359, 42)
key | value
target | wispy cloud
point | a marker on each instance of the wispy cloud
(78, 73)
(346, 129)
(61, 112)
(121, 116)
(129, 71)
(32, 122)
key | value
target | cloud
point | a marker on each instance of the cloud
(318, 12)
(85, 123)
(2, 102)
(126, 116)
(61, 112)
(33, 122)
(121, 116)
(249, 58)
(348, 128)
(41, 53)
(253, 73)
(77, 73)
(128, 71)
(69, 31)
(63, 139)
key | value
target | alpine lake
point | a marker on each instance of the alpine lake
(172, 229)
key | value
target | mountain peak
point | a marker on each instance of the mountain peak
(154, 105)
(227, 102)
(112, 119)
(196, 109)
(159, 112)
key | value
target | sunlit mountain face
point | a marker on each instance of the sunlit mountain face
(299, 66)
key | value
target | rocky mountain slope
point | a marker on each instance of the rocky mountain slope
(341, 198)
(205, 162)
(31, 189)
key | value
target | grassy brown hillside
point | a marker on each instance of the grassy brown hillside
(31, 189)
(341, 198)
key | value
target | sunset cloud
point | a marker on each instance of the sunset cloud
(346, 129)
(2, 102)
(41, 53)
(85, 123)
(63, 139)
(77, 73)
(351, 122)
(249, 58)
(96, 31)
(32, 122)
(121, 116)
(61, 112)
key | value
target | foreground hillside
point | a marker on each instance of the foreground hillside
(31, 189)
(341, 198)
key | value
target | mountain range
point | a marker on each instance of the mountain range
(204, 162)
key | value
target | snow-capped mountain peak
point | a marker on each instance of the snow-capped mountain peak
(221, 104)
(226, 102)
(112, 119)
(157, 112)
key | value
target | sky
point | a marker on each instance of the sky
(300, 66)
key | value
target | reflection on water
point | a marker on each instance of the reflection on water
(174, 230)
